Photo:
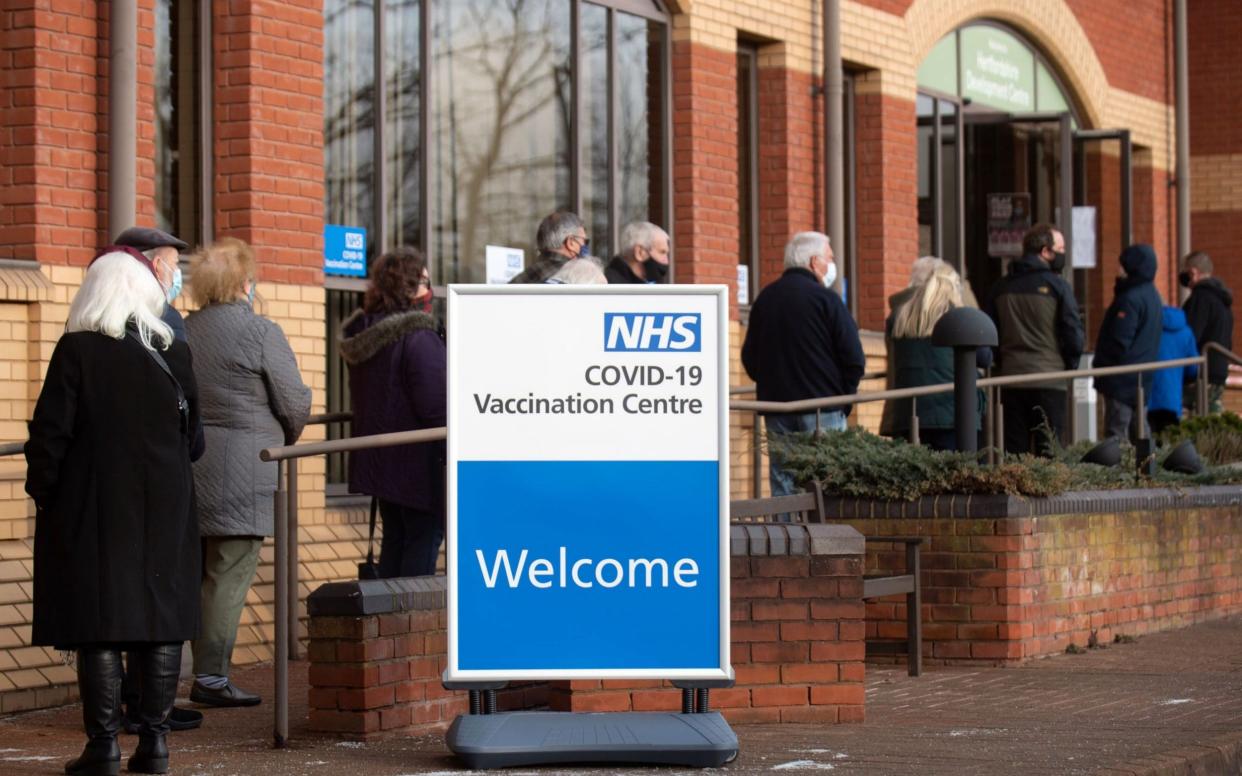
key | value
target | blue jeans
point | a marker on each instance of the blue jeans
(411, 541)
(778, 425)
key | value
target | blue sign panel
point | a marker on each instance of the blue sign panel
(588, 482)
(553, 576)
(345, 250)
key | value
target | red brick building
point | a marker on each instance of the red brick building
(457, 125)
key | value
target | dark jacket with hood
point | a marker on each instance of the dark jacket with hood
(397, 382)
(1130, 332)
(1210, 315)
(1176, 341)
(618, 272)
(116, 547)
(801, 342)
(1037, 322)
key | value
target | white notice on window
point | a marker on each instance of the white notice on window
(1084, 237)
(743, 284)
(504, 264)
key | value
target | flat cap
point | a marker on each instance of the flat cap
(145, 238)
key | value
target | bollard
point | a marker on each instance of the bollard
(965, 329)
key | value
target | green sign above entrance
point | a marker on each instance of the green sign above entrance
(997, 69)
(993, 67)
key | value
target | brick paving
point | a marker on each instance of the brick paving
(1170, 703)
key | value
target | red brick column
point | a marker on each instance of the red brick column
(887, 191)
(790, 197)
(51, 109)
(705, 193)
(269, 133)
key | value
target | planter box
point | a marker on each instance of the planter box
(1009, 578)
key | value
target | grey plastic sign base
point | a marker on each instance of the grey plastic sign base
(555, 737)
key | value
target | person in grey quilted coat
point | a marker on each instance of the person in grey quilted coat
(252, 397)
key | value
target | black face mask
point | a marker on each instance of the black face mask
(1183, 278)
(1058, 262)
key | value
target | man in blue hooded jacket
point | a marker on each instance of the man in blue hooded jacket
(1129, 334)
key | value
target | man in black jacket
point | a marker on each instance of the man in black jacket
(1039, 330)
(1210, 315)
(643, 257)
(1129, 334)
(801, 343)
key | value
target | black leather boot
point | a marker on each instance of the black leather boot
(99, 682)
(159, 667)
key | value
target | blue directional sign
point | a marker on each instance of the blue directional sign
(345, 250)
(588, 479)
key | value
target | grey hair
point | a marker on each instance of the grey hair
(804, 245)
(640, 233)
(556, 229)
(583, 272)
(117, 289)
(922, 269)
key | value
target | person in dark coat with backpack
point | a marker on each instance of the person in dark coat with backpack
(398, 382)
(116, 559)
(1129, 334)
(1164, 403)
(1209, 313)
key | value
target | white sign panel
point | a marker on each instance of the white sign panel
(1084, 237)
(504, 264)
(588, 482)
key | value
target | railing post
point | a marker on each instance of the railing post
(1201, 386)
(291, 471)
(756, 458)
(989, 417)
(999, 434)
(281, 732)
(914, 420)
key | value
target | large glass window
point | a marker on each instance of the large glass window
(501, 125)
(178, 120)
(483, 117)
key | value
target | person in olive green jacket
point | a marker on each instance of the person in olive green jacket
(916, 362)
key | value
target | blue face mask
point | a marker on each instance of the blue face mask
(250, 295)
(174, 288)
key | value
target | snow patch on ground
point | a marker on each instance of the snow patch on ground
(804, 765)
(1176, 701)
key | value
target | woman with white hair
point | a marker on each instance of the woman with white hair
(116, 561)
(917, 362)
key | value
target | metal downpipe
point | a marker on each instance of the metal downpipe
(834, 148)
(1182, 123)
(122, 114)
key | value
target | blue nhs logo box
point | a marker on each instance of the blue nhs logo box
(345, 250)
(646, 332)
(587, 525)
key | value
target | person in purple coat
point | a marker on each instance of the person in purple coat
(397, 381)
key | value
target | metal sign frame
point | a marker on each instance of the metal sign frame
(721, 395)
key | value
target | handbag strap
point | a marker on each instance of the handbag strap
(182, 404)
(371, 534)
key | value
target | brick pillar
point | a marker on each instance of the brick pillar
(269, 133)
(790, 198)
(51, 109)
(887, 163)
(705, 165)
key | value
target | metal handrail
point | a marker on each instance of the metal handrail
(12, 448)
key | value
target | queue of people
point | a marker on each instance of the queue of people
(143, 457)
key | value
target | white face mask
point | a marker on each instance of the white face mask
(830, 275)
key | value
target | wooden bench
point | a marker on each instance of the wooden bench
(809, 507)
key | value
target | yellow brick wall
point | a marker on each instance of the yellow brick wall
(331, 541)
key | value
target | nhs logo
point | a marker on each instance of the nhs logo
(627, 332)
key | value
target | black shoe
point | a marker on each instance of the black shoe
(99, 758)
(228, 695)
(178, 719)
(151, 756)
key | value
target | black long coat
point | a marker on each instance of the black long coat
(117, 556)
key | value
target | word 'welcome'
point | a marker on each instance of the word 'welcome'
(608, 572)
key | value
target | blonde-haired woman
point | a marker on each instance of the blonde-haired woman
(917, 362)
(116, 556)
(252, 397)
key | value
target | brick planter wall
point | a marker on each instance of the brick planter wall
(797, 630)
(1006, 579)
(377, 648)
(377, 652)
